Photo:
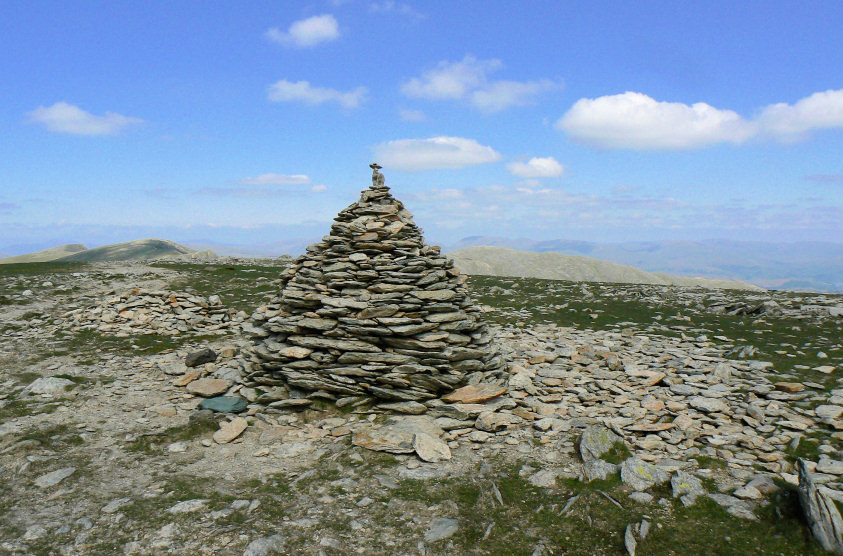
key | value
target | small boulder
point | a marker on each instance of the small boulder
(200, 357)
(640, 475)
(597, 440)
(224, 404)
(208, 387)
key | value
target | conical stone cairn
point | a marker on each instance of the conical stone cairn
(373, 311)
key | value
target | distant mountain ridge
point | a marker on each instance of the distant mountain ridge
(128, 251)
(46, 255)
(799, 265)
(501, 261)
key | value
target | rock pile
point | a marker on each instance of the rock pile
(371, 310)
(162, 312)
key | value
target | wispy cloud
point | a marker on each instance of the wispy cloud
(393, 7)
(536, 168)
(469, 79)
(636, 121)
(306, 33)
(433, 153)
(6, 208)
(62, 117)
(303, 91)
(825, 178)
(409, 115)
(277, 179)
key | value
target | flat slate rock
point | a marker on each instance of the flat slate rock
(396, 437)
(224, 404)
(474, 393)
(208, 387)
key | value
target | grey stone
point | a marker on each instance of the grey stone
(641, 497)
(597, 440)
(708, 405)
(264, 546)
(598, 469)
(440, 528)
(55, 477)
(683, 483)
(820, 511)
(50, 385)
(200, 357)
(640, 475)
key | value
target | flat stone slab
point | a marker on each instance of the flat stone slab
(208, 387)
(396, 437)
(49, 385)
(231, 430)
(430, 449)
(474, 393)
(54, 478)
(224, 404)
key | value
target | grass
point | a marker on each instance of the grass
(87, 342)
(241, 287)
(155, 443)
(657, 310)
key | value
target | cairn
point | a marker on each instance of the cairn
(372, 310)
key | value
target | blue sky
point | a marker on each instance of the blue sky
(255, 122)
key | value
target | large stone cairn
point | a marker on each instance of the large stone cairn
(371, 310)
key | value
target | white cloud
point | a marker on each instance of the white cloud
(436, 152)
(503, 94)
(303, 91)
(468, 79)
(319, 188)
(536, 168)
(636, 121)
(790, 122)
(277, 179)
(306, 33)
(409, 115)
(391, 6)
(67, 118)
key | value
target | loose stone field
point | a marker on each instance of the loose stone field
(665, 418)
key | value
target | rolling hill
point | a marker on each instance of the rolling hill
(499, 261)
(130, 251)
(46, 255)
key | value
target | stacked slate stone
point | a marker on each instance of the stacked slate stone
(373, 311)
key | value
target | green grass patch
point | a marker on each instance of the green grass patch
(155, 443)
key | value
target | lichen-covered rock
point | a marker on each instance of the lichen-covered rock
(374, 311)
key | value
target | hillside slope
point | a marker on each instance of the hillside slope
(499, 261)
(45, 255)
(130, 251)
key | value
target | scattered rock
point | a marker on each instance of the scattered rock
(55, 477)
(640, 475)
(595, 441)
(430, 448)
(50, 386)
(264, 546)
(208, 387)
(820, 511)
(230, 430)
(200, 357)
(224, 404)
(440, 528)
(474, 393)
